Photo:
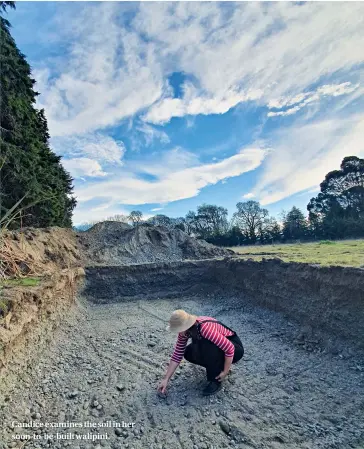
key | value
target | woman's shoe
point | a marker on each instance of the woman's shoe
(211, 388)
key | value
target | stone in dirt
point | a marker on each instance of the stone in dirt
(118, 432)
(225, 427)
(73, 394)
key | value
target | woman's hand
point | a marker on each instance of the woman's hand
(162, 387)
(227, 366)
(222, 375)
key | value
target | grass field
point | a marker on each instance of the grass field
(346, 253)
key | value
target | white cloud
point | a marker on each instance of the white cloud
(107, 74)
(303, 154)
(93, 145)
(267, 53)
(232, 53)
(337, 89)
(83, 166)
(190, 122)
(248, 196)
(314, 191)
(150, 134)
(302, 100)
(192, 104)
(156, 209)
(102, 206)
(86, 214)
(163, 163)
(172, 185)
(283, 113)
(144, 135)
(288, 101)
(275, 50)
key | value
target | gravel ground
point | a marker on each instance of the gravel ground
(105, 362)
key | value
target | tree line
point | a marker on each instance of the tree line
(337, 212)
(31, 174)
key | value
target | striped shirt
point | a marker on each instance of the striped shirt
(214, 332)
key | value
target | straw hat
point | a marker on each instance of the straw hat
(180, 321)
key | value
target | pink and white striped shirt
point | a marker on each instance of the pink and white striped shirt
(214, 332)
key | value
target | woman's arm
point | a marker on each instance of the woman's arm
(170, 371)
(176, 358)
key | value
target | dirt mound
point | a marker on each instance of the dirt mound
(36, 252)
(117, 243)
(109, 228)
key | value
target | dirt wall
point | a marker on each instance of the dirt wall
(32, 252)
(35, 314)
(324, 300)
(29, 314)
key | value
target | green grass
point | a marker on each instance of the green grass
(4, 306)
(326, 252)
(25, 282)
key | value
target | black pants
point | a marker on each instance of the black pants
(205, 353)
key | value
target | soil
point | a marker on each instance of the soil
(109, 349)
(39, 252)
(115, 243)
(104, 364)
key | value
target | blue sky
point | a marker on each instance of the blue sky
(164, 106)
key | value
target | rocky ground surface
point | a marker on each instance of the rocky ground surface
(104, 364)
(118, 243)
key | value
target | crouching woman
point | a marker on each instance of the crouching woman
(214, 346)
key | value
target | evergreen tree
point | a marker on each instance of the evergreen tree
(270, 231)
(338, 210)
(4, 5)
(295, 225)
(29, 167)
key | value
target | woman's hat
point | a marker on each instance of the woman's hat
(180, 321)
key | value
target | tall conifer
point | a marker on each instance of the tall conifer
(28, 166)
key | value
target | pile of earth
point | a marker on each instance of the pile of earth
(37, 252)
(115, 243)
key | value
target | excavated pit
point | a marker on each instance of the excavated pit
(300, 384)
(325, 301)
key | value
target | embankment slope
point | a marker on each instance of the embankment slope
(30, 313)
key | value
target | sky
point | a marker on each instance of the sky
(164, 106)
